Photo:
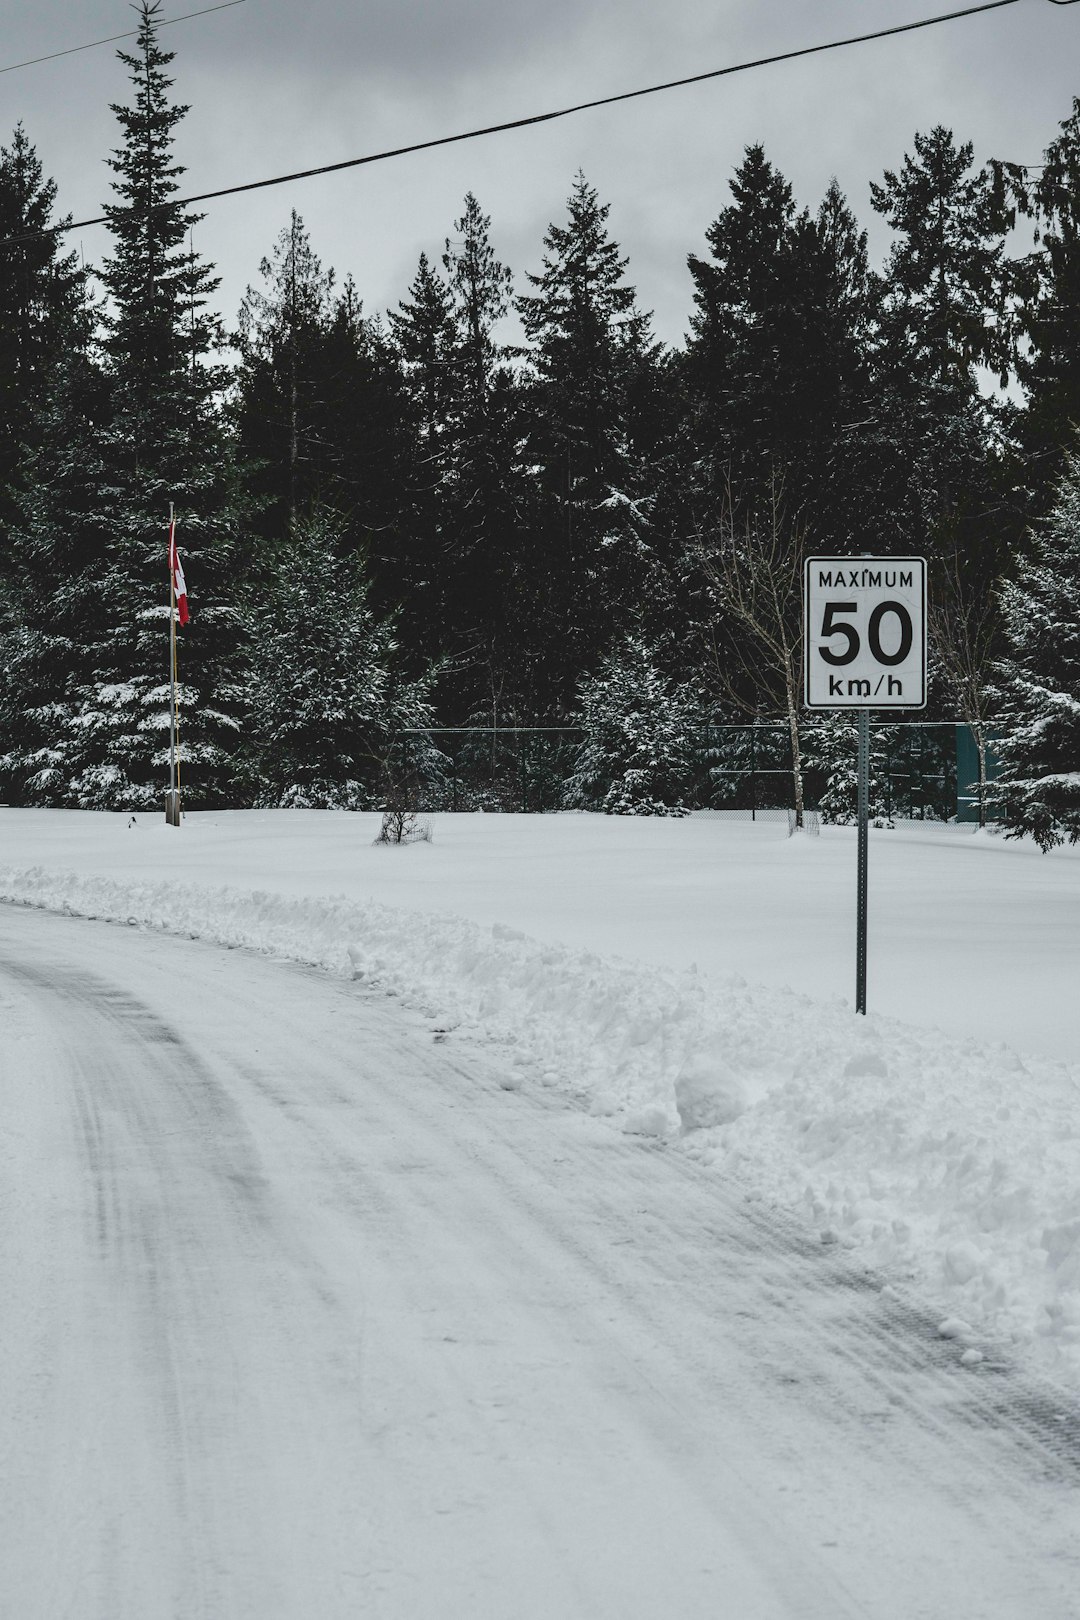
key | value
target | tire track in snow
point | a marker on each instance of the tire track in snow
(134, 1085)
(880, 1353)
(895, 1341)
(539, 1335)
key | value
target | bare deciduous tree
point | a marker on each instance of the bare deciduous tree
(755, 573)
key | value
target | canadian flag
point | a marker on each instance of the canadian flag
(177, 571)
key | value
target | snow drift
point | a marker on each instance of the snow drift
(949, 1165)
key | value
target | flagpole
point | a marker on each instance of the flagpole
(172, 803)
(176, 706)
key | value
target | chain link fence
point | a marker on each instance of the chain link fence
(745, 769)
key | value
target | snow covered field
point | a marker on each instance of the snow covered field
(689, 983)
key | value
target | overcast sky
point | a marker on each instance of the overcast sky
(278, 85)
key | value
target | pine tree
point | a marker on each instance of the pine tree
(829, 472)
(328, 701)
(944, 276)
(1038, 688)
(164, 443)
(41, 292)
(941, 300)
(462, 521)
(776, 365)
(47, 646)
(365, 434)
(283, 339)
(483, 513)
(738, 360)
(422, 332)
(1047, 287)
(642, 737)
(832, 750)
(319, 409)
(589, 352)
(480, 288)
(586, 334)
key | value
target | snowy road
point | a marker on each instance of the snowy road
(305, 1316)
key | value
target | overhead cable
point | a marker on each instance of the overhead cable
(165, 22)
(537, 118)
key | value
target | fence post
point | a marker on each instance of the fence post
(753, 772)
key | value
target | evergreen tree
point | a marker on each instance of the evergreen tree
(1047, 288)
(776, 365)
(482, 487)
(480, 288)
(47, 645)
(837, 310)
(739, 358)
(943, 283)
(1038, 691)
(463, 519)
(642, 737)
(164, 443)
(319, 407)
(941, 302)
(586, 335)
(41, 292)
(590, 353)
(327, 700)
(283, 339)
(366, 433)
(831, 749)
(423, 333)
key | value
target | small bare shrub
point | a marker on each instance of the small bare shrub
(404, 827)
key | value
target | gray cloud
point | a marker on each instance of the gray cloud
(275, 86)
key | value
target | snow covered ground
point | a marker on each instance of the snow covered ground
(689, 983)
(315, 1309)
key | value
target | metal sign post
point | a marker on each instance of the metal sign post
(864, 647)
(864, 850)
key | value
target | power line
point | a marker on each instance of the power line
(538, 118)
(166, 22)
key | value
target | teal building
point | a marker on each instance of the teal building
(967, 775)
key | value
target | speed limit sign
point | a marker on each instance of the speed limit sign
(864, 633)
(864, 647)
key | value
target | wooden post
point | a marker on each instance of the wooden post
(172, 798)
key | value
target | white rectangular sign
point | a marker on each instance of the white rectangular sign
(864, 633)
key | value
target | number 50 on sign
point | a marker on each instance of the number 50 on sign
(864, 633)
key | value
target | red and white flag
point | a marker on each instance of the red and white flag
(177, 571)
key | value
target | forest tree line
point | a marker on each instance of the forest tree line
(409, 519)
